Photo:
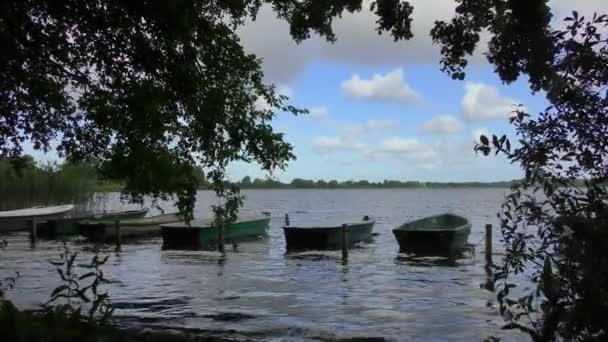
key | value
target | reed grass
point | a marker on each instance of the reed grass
(49, 184)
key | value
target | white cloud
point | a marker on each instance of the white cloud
(370, 125)
(388, 87)
(325, 145)
(401, 146)
(281, 89)
(358, 41)
(483, 102)
(350, 137)
(381, 124)
(442, 124)
(319, 113)
(407, 149)
(564, 8)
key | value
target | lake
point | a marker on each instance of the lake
(303, 296)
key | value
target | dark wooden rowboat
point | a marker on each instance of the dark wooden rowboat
(444, 234)
(301, 238)
(202, 234)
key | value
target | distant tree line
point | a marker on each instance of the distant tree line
(299, 183)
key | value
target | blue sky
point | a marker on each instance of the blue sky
(384, 110)
(411, 126)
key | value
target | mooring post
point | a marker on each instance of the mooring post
(286, 219)
(488, 245)
(34, 232)
(344, 242)
(117, 233)
(220, 239)
(489, 284)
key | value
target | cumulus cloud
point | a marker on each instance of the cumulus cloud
(390, 87)
(483, 102)
(356, 130)
(358, 41)
(281, 89)
(359, 44)
(319, 113)
(326, 145)
(350, 137)
(380, 124)
(404, 148)
(399, 145)
(442, 124)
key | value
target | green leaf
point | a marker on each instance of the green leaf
(484, 140)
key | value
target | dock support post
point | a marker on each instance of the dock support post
(117, 233)
(34, 232)
(489, 284)
(344, 242)
(488, 245)
(220, 239)
(286, 219)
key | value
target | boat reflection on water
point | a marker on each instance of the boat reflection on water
(436, 259)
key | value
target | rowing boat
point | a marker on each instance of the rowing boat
(300, 238)
(105, 230)
(202, 233)
(441, 234)
(14, 220)
(68, 225)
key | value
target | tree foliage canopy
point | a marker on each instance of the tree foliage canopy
(556, 230)
(153, 88)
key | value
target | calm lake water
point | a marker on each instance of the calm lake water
(303, 296)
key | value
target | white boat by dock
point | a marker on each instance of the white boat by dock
(14, 220)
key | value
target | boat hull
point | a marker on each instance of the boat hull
(204, 237)
(434, 235)
(69, 225)
(105, 231)
(325, 238)
(16, 220)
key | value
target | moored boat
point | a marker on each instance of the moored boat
(14, 220)
(202, 234)
(105, 230)
(300, 238)
(444, 234)
(68, 225)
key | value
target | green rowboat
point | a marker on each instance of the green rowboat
(445, 234)
(68, 225)
(105, 230)
(201, 233)
(299, 238)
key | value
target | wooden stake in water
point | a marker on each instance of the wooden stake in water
(34, 232)
(489, 284)
(117, 233)
(286, 219)
(344, 242)
(488, 245)
(220, 239)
